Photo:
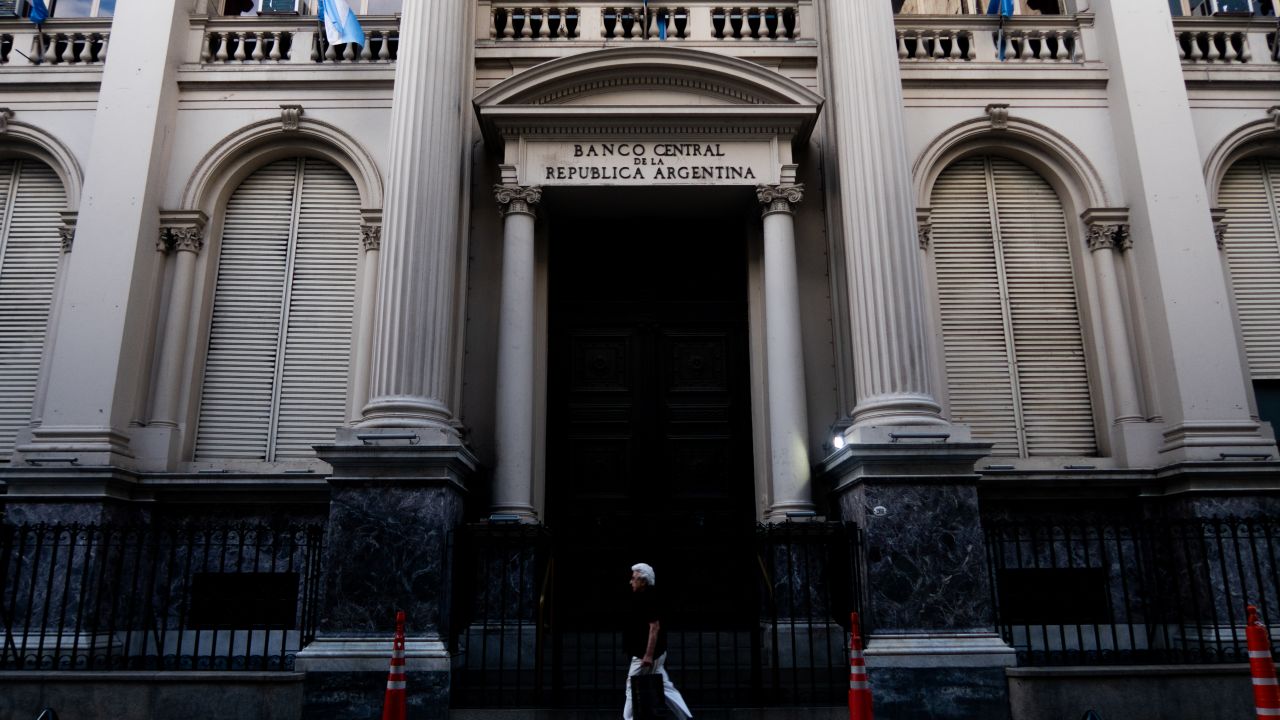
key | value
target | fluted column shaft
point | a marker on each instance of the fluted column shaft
(414, 341)
(891, 352)
(791, 487)
(513, 436)
(185, 243)
(1104, 241)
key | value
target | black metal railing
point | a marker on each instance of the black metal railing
(1077, 592)
(757, 617)
(174, 597)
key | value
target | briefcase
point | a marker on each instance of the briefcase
(647, 699)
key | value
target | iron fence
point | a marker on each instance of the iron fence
(88, 597)
(755, 618)
(1078, 592)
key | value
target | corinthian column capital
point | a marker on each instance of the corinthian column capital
(780, 198)
(181, 231)
(517, 198)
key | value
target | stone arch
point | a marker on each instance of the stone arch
(1044, 150)
(1255, 138)
(35, 143)
(236, 156)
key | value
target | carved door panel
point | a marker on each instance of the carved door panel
(649, 440)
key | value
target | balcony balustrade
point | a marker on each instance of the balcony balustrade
(501, 21)
(83, 41)
(977, 39)
(261, 41)
(1226, 41)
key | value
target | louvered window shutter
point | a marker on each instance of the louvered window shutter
(1250, 193)
(31, 197)
(1010, 322)
(280, 339)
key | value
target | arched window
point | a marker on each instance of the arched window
(276, 370)
(1250, 193)
(1014, 353)
(31, 197)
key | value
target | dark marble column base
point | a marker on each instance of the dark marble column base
(396, 498)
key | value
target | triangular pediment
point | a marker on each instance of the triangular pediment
(648, 86)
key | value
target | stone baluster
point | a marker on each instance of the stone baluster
(1229, 53)
(902, 45)
(206, 49)
(1246, 49)
(920, 53)
(936, 37)
(224, 42)
(366, 50)
(86, 50)
(384, 51)
(1212, 54)
(349, 52)
(69, 50)
(1077, 47)
(258, 54)
(954, 53)
(102, 51)
(330, 52)
(1061, 53)
(790, 481)
(276, 55)
(1193, 42)
(241, 41)
(513, 434)
(892, 360)
(182, 239)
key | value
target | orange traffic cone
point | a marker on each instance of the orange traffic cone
(1266, 693)
(859, 688)
(394, 706)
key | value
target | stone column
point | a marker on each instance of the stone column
(891, 352)
(932, 648)
(1104, 240)
(400, 476)
(182, 236)
(513, 436)
(371, 241)
(1200, 378)
(418, 283)
(791, 486)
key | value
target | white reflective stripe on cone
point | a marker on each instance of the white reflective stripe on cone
(1259, 654)
(395, 684)
(859, 685)
(1265, 681)
(1268, 712)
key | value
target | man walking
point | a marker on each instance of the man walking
(645, 640)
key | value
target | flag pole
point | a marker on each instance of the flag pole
(320, 36)
(39, 43)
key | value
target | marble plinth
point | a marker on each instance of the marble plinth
(929, 621)
(394, 502)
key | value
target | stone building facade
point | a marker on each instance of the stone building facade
(577, 264)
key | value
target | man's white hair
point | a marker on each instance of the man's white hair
(646, 573)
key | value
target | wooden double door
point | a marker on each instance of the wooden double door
(649, 419)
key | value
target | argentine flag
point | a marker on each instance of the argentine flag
(1005, 8)
(340, 23)
(39, 12)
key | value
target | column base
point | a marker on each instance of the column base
(67, 445)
